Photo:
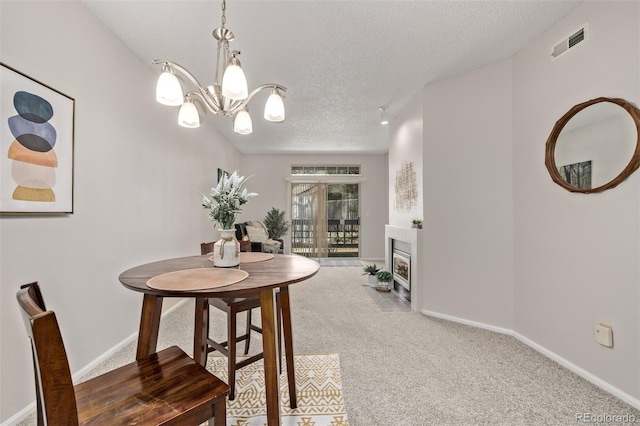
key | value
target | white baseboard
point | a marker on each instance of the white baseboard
(546, 352)
(20, 415)
(580, 371)
(26, 411)
(467, 322)
(376, 261)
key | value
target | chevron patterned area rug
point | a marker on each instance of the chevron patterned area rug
(319, 390)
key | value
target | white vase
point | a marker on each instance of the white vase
(226, 250)
(373, 280)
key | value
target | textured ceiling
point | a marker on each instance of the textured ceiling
(340, 60)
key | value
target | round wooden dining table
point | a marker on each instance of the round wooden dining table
(263, 278)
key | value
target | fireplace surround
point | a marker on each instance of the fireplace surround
(405, 245)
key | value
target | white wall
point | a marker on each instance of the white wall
(507, 248)
(271, 171)
(576, 255)
(468, 242)
(136, 177)
(405, 146)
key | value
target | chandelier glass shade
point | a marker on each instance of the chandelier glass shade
(242, 124)
(228, 96)
(274, 108)
(188, 115)
(234, 83)
(168, 89)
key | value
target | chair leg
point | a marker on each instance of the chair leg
(285, 306)
(279, 331)
(220, 413)
(231, 359)
(248, 332)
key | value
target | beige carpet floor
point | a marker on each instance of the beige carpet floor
(403, 368)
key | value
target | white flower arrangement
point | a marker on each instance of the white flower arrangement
(226, 199)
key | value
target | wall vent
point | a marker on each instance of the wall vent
(569, 42)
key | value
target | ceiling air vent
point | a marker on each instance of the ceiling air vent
(569, 42)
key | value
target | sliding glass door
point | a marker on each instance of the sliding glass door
(325, 219)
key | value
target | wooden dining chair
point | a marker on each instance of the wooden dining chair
(232, 307)
(166, 388)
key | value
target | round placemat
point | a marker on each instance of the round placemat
(250, 257)
(197, 279)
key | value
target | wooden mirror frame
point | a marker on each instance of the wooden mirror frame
(550, 161)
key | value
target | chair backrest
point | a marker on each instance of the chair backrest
(206, 248)
(56, 401)
(241, 231)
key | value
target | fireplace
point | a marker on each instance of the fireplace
(402, 246)
(402, 273)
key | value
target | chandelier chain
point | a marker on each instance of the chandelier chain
(224, 8)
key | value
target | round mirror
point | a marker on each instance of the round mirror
(594, 146)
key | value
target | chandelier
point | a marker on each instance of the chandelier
(227, 98)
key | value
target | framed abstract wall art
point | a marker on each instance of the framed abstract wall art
(36, 146)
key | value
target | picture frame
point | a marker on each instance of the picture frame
(37, 125)
(222, 173)
(577, 174)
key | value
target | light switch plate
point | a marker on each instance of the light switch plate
(604, 335)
